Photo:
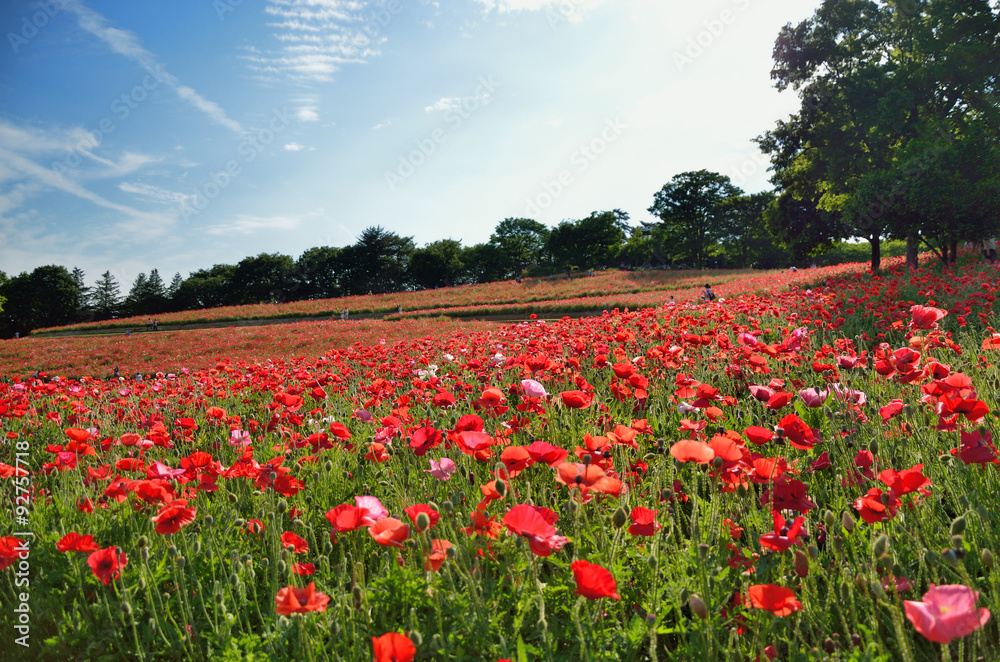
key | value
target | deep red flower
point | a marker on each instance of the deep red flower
(644, 522)
(389, 532)
(173, 516)
(8, 551)
(107, 564)
(393, 647)
(414, 511)
(74, 542)
(593, 581)
(778, 600)
(294, 542)
(576, 399)
(293, 600)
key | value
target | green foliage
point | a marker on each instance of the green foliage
(689, 206)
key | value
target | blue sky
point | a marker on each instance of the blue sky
(178, 135)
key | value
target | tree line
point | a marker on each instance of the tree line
(705, 221)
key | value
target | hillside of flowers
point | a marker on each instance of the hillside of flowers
(557, 295)
(804, 475)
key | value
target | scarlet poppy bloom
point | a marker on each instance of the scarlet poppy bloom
(107, 564)
(781, 542)
(389, 532)
(871, 508)
(515, 459)
(483, 526)
(173, 516)
(778, 600)
(644, 522)
(293, 600)
(346, 517)
(905, 481)
(758, 435)
(925, 317)
(423, 439)
(537, 524)
(340, 431)
(8, 553)
(393, 647)
(294, 542)
(74, 542)
(576, 399)
(688, 450)
(443, 399)
(798, 433)
(593, 581)
(946, 612)
(303, 568)
(377, 453)
(414, 511)
(436, 556)
(787, 494)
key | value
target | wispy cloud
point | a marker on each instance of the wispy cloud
(244, 224)
(444, 103)
(314, 39)
(126, 43)
(571, 10)
(155, 193)
(382, 124)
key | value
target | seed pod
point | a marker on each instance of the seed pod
(698, 606)
(873, 447)
(181, 562)
(172, 551)
(949, 556)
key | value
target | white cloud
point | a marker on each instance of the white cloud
(570, 10)
(315, 38)
(244, 224)
(127, 43)
(294, 147)
(444, 103)
(307, 114)
(155, 193)
(382, 124)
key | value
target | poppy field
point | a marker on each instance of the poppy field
(807, 474)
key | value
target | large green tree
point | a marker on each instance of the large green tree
(689, 208)
(887, 89)
(106, 297)
(46, 297)
(378, 263)
(438, 264)
(521, 245)
(590, 242)
(264, 278)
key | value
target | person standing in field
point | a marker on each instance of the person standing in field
(990, 249)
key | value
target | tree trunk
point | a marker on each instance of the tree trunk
(875, 241)
(953, 250)
(912, 252)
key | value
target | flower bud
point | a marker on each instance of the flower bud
(958, 526)
(423, 521)
(698, 606)
(986, 556)
(873, 447)
(209, 520)
(172, 551)
(877, 589)
(501, 488)
(880, 546)
(847, 521)
(181, 562)
(838, 544)
(142, 542)
(829, 518)
(619, 518)
(448, 506)
(801, 563)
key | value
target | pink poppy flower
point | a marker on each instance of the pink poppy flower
(946, 613)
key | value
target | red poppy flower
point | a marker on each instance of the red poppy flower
(593, 581)
(905, 481)
(436, 555)
(107, 564)
(483, 526)
(758, 435)
(347, 517)
(173, 516)
(781, 542)
(537, 524)
(74, 542)
(294, 542)
(926, 317)
(393, 647)
(303, 569)
(778, 600)
(576, 399)
(541, 451)
(644, 522)
(688, 450)
(872, 509)
(9, 546)
(389, 532)
(414, 511)
(293, 600)
(798, 433)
